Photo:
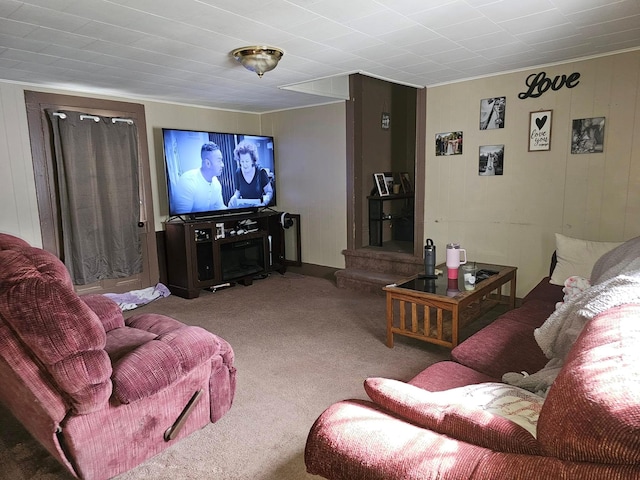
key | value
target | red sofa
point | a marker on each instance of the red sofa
(587, 427)
(100, 393)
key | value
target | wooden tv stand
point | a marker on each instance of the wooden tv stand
(198, 257)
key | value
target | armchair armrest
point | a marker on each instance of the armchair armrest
(107, 310)
(458, 415)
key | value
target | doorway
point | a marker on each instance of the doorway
(47, 186)
(385, 134)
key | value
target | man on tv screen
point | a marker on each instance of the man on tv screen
(199, 189)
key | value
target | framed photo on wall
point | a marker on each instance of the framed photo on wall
(449, 143)
(587, 135)
(491, 160)
(492, 112)
(540, 130)
(381, 184)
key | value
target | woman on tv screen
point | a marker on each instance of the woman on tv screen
(252, 182)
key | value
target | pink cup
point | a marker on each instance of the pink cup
(454, 260)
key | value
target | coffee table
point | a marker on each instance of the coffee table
(434, 310)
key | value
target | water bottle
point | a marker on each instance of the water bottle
(454, 259)
(429, 258)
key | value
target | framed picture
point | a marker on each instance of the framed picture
(540, 130)
(449, 143)
(388, 177)
(587, 135)
(491, 160)
(492, 112)
(379, 179)
(385, 121)
(405, 183)
(219, 230)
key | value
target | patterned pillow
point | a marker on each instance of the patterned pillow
(516, 404)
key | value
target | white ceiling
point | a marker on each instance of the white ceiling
(179, 50)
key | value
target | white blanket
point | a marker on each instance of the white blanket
(619, 283)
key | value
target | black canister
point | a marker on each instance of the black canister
(429, 258)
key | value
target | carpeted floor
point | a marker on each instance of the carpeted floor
(300, 345)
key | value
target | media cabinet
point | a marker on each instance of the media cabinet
(200, 257)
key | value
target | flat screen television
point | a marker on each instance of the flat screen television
(210, 173)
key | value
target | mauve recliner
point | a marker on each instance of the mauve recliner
(100, 393)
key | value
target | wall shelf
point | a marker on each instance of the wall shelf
(394, 211)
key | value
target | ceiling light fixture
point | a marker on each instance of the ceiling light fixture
(258, 59)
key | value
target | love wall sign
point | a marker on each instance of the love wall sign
(540, 130)
(539, 83)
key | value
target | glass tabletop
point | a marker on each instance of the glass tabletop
(443, 285)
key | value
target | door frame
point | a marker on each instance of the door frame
(46, 192)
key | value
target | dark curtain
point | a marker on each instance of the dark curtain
(97, 173)
(227, 144)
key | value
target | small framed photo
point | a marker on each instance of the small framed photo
(405, 182)
(219, 230)
(388, 177)
(449, 143)
(381, 183)
(492, 112)
(491, 160)
(540, 130)
(587, 135)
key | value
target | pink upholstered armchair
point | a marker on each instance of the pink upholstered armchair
(100, 393)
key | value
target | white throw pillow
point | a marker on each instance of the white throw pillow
(576, 257)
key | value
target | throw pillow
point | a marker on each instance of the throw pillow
(577, 257)
(492, 415)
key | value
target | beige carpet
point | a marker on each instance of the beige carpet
(300, 344)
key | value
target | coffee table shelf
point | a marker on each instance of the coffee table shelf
(435, 310)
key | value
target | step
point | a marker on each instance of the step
(365, 280)
(394, 263)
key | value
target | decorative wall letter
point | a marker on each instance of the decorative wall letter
(539, 83)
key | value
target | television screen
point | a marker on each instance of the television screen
(209, 172)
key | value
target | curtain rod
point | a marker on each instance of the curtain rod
(95, 118)
(128, 121)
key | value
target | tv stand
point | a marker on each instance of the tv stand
(209, 253)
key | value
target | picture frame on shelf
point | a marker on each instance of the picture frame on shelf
(540, 130)
(388, 177)
(405, 183)
(381, 184)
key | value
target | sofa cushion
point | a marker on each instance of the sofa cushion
(507, 344)
(446, 375)
(157, 363)
(577, 257)
(545, 292)
(592, 411)
(490, 415)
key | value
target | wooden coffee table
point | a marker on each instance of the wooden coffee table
(435, 310)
